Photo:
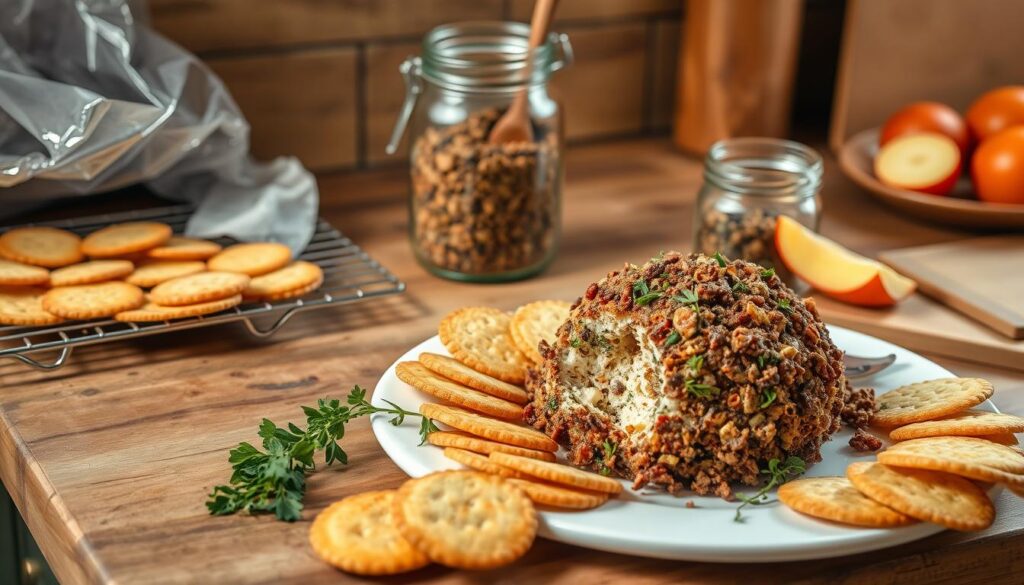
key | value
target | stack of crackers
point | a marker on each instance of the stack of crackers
(484, 517)
(944, 457)
(48, 275)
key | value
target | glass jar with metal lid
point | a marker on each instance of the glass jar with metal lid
(748, 183)
(480, 211)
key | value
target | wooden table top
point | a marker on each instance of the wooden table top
(110, 458)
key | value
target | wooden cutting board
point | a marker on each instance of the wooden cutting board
(982, 278)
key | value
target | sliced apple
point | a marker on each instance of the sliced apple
(837, 271)
(927, 162)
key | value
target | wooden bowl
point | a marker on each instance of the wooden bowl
(856, 158)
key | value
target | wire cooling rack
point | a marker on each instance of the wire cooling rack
(350, 275)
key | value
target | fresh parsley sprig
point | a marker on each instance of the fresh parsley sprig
(274, 480)
(643, 295)
(778, 472)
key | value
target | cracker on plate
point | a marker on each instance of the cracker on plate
(557, 496)
(969, 457)
(489, 428)
(479, 337)
(970, 423)
(536, 321)
(835, 499)
(479, 462)
(929, 400)
(468, 442)
(558, 473)
(456, 370)
(357, 535)
(465, 519)
(424, 380)
(932, 496)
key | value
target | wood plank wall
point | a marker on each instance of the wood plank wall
(318, 79)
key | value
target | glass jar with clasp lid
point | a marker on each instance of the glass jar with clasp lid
(748, 183)
(482, 211)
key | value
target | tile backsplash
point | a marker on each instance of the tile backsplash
(319, 79)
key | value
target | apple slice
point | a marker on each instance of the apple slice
(927, 162)
(837, 271)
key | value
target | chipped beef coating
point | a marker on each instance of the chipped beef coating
(689, 395)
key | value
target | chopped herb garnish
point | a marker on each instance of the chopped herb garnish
(648, 298)
(784, 306)
(603, 343)
(552, 404)
(767, 398)
(274, 480)
(575, 342)
(609, 449)
(740, 286)
(767, 272)
(687, 297)
(640, 288)
(695, 363)
(718, 258)
(701, 390)
(605, 470)
(765, 359)
(672, 339)
(778, 473)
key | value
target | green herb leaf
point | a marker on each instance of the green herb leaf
(687, 297)
(552, 404)
(274, 480)
(740, 286)
(784, 306)
(640, 289)
(768, 397)
(648, 298)
(718, 258)
(701, 390)
(767, 272)
(695, 363)
(575, 342)
(777, 474)
(672, 339)
(609, 449)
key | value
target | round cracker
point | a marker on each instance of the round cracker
(198, 288)
(91, 272)
(286, 282)
(558, 473)
(41, 246)
(488, 428)
(22, 305)
(357, 535)
(90, 301)
(536, 321)
(291, 294)
(479, 337)
(155, 312)
(1002, 438)
(182, 248)
(835, 499)
(969, 457)
(969, 423)
(419, 377)
(254, 258)
(932, 496)
(456, 370)
(18, 274)
(468, 442)
(558, 496)
(929, 400)
(479, 462)
(465, 519)
(125, 238)
(154, 272)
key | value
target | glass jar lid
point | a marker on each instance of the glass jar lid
(769, 167)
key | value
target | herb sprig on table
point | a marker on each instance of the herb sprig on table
(778, 472)
(274, 480)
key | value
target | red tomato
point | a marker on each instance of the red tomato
(998, 167)
(996, 110)
(927, 117)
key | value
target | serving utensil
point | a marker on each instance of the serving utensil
(514, 124)
(862, 367)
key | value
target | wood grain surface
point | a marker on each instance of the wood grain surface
(110, 459)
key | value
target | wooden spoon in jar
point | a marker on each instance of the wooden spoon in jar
(514, 124)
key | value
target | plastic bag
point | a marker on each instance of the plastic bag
(92, 100)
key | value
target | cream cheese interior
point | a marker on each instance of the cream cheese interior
(617, 373)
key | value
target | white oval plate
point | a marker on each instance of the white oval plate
(654, 524)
